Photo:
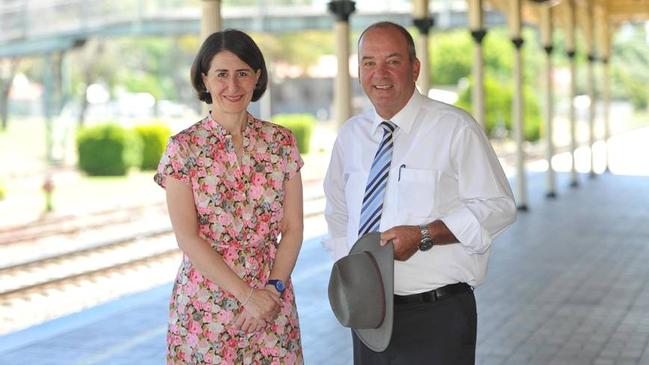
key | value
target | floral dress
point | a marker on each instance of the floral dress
(239, 206)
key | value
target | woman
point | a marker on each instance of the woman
(233, 187)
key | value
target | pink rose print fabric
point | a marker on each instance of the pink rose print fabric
(239, 208)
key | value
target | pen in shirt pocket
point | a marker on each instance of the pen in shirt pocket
(400, 167)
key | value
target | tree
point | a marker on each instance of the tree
(7, 74)
(158, 66)
(96, 61)
(629, 68)
(303, 49)
(498, 108)
(451, 56)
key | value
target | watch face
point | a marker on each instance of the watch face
(280, 286)
(426, 245)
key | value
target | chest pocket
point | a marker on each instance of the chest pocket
(417, 194)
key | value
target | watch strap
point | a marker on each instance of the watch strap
(277, 284)
(426, 242)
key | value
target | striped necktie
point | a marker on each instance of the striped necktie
(377, 182)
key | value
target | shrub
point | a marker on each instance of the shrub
(107, 150)
(154, 139)
(498, 108)
(2, 191)
(301, 125)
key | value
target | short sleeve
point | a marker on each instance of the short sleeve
(176, 162)
(293, 159)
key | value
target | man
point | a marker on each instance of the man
(429, 180)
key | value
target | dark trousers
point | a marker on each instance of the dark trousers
(442, 332)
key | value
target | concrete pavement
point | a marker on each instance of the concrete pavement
(567, 284)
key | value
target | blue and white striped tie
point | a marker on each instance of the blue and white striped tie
(377, 182)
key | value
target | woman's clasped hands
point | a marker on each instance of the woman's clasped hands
(260, 308)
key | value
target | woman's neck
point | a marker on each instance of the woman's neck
(231, 122)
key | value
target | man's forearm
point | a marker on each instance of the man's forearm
(440, 234)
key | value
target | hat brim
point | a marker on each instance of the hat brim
(378, 339)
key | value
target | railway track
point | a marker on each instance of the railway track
(38, 275)
(61, 268)
(87, 275)
(63, 264)
(72, 224)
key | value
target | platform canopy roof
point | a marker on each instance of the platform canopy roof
(596, 20)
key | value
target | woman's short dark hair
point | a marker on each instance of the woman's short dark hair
(238, 43)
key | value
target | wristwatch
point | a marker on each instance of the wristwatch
(426, 242)
(278, 284)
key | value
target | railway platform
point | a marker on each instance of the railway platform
(567, 285)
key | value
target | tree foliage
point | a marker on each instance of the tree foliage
(302, 49)
(498, 108)
(629, 69)
(451, 59)
(451, 56)
(151, 64)
(8, 69)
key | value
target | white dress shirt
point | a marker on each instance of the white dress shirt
(443, 167)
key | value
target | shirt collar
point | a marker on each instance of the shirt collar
(218, 130)
(405, 118)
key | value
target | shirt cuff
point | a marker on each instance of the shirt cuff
(336, 247)
(468, 230)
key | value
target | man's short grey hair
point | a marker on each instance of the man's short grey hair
(412, 54)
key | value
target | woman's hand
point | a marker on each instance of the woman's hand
(271, 289)
(247, 323)
(263, 305)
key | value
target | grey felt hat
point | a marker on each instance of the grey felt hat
(361, 291)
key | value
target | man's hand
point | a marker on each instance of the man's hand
(405, 239)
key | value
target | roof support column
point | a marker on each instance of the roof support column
(423, 21)
(591, 112)
(606, 87)
(546, 39)
(570, 52)
(211, 20)
(478, 32)
(604, 43)
(515, 23)
(592, 57)
(342, 9)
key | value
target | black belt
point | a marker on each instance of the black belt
(433, 295)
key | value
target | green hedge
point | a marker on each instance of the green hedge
(154, 139)
(301, 125)
(107, 150)
(498, 108)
